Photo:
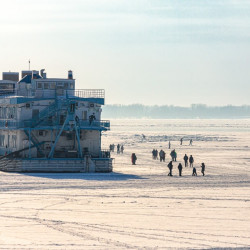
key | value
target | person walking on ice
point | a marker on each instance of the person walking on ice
(185, 158)
(170, 166)
(133, 158)
(181, 140)
(122, 149)
(191, 161)
(194, 172)
(203, 168)
(180, 169)
(191, 142)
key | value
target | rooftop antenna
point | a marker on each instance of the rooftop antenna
(29, 64)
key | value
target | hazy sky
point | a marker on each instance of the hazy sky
(173, 52)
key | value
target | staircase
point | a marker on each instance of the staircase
(44, 114)
(35, 142)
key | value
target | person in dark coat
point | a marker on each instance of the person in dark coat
(173, 155)
(191, 161)
(185, 158)
(133, 158)
(180, 169)
(181, 140)
(170, 166)
(156, 154)
(160, 154)
(194, 172)
(163, 155)
(203, 168)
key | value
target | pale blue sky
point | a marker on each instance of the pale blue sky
(140, 51)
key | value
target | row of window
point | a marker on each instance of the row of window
(8, 112)
(8, 141)
(54, 85)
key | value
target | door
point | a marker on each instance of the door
(84, 115)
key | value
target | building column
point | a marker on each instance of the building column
(29, 144)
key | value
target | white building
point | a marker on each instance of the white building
(47, 125)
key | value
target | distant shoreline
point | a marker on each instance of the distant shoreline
(195, 111)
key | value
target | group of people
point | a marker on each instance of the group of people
(190, 141)
(173, 155)
(162, 155)
(120, 148)
(194, 173)
(181, 142)
(190, 159)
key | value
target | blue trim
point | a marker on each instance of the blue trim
(50, 159)
(20, 99)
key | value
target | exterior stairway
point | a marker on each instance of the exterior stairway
(44, 114)
(35, 142)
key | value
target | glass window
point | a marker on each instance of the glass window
(39, 85)
(46, 85)
(65, 85)
(2, 138)
(72, 85)
(53, 85)
(13, 141)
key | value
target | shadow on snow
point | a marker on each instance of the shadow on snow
(86, 176)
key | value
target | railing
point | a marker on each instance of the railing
(7, 92)
(53, 93)
(83, 124)
(89, 93)
(95, 124)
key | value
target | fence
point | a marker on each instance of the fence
(53, 93)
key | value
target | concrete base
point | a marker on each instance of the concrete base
(86, 165)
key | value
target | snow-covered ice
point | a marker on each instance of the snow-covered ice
(139, 206)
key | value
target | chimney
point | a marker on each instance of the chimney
(70, 74)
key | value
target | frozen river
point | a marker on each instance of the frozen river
(139, 207)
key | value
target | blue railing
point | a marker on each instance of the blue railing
(83, 124)
(53, 93)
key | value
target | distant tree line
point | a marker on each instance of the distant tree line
(171, 112)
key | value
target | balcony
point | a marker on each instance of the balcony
(49, 124)
(53, 93)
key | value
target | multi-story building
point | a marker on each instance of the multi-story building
(47, 125)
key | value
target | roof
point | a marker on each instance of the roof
(28, 78)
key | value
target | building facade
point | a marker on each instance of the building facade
(47, 125)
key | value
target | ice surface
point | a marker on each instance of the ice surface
(139, 207)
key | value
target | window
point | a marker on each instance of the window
(53, 85)
(72, 85)
(41, 133)
(69, 136)
(46, 85)
(65, 85)
(2, 141)
(13, 141)
(39, 85)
